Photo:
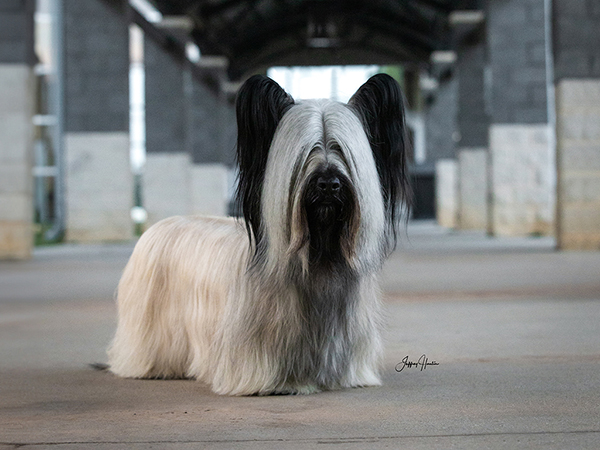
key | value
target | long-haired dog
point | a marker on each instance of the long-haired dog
(290, 302)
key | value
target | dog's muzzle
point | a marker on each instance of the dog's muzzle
(326, 194)
(328, 187)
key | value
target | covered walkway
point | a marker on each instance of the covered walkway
(512, 324)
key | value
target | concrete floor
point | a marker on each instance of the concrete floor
(514, 326)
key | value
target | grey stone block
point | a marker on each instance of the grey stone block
(11, 5)
(511, 14)
(16, 33)
(530, 115)
(576, 8)
(473, 189)
(96, 67)
(521, 179)
(536, 52)
(212, 120)
(441, 122)
(166, 185)
(446, 190)
(99, 186)
(16, 144)
(536, 12)
(518, 61)
(13, 25)
(594, 8)
(576, 36)
(166, 105)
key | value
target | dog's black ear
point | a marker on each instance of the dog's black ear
(260, 104)
(380, 105)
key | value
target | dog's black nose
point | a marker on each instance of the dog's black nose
(329, 184)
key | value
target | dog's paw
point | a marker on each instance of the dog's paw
(296, 390)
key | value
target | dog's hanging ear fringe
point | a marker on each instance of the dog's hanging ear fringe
(380, 105)
(260, 104)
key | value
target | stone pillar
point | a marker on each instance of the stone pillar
(440, 141)
(577, 77)
(441, 121)
(168, 163)
(17, 96)
(212, 143)
(99, 182)
(521, 149)
(473, 189)
(473, 125)
(446, 192)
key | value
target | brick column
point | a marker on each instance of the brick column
(99, 182)
(522, 158)
(17, 96)
(473, 126)
(577, 76)
(212, 146)
(168, 163)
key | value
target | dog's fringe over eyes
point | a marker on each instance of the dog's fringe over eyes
(291, 304)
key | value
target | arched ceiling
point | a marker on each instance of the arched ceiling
(256, 34)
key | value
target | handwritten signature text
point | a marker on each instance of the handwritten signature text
(420, 364)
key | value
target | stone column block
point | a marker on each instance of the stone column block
(98, 187)
(99, 184)
(16, 161)
(473, 189)
(166, 185)
(209, 189)
(446, 189)
(578, 142)
(523, 179)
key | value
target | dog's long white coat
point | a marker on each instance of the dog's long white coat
(190, 307)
